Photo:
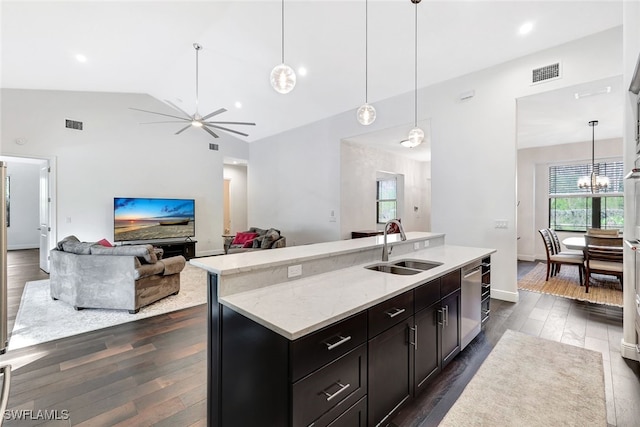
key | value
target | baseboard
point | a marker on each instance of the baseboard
(629, 351)
(504, 295)
(211, 252)
(529, 258)
(20, 247)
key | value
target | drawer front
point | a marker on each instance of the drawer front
(339, 384)
(450, 283)
(427, 294)
(319, 348)
(356, 416)
(390, 312)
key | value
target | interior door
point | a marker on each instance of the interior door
(45, 209)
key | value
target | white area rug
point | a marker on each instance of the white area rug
(42, 319)
(533, 382)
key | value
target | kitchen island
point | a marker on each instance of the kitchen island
(307, 335)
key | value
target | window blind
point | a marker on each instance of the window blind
(563, 179)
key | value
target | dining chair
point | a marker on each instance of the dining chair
(603, 255)
(556, 257)
(602, 232)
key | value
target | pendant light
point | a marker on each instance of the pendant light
(593, 182)
(283, 78)
(366, 113)
(416, 135)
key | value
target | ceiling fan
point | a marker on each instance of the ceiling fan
(196, 120)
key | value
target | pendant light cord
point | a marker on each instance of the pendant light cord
(366, 51)
(282, 20)
(415, 93)
(197, 47)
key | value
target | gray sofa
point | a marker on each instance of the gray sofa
(89, 275)
(264, 239)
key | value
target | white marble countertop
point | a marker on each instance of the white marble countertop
(243, 262)
(299, 307)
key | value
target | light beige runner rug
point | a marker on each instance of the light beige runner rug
(530, 381)
(602, 290)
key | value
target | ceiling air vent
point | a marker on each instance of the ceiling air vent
(546, 73)
(72, 124)
(213, 146)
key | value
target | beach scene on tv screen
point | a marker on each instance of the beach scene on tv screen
(148, 219)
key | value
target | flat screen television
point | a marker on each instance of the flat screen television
(153, 219)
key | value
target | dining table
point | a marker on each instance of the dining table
(575, 242)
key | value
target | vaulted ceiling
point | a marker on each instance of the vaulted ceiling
(146, 47)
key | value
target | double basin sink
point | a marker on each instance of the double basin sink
(405, 267)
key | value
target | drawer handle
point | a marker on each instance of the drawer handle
(341, 340)
(473, 272)
(440, 317)
(395, 312)
(343, 387)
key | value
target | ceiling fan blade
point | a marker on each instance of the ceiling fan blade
(179, 109)
(230, 123)
(183, 129)
(215, 113)
(209, 131)
(167, 121)
(155, 112)
(226, 129)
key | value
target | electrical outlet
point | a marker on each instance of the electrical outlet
(416, 246)
(294, 271)
(502, 223)
(426, 243)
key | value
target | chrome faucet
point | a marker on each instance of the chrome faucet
(385, 251)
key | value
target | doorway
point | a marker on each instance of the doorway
(31, 225)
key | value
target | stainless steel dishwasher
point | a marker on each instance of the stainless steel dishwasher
(471, 292)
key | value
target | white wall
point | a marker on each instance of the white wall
(237, 176)
(24, 211)
(533, 186)
(473, 163)
(115, 156)
(358, 172)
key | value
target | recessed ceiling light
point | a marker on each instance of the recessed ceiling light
(238, 104)
(81, 58)
(302, 71)
(525, 28)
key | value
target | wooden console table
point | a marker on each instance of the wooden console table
(186, 248)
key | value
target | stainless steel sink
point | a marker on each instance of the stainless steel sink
(393, 269)
(415, 264)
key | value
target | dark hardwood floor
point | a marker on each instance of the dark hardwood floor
(153, 371)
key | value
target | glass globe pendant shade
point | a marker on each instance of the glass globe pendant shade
(366, 114)
(283, 78)
(415, 138)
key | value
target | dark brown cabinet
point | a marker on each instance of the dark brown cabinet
(185, 248)
(354, 373)
(390, 371)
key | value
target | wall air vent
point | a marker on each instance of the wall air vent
(546, 73)
(72, 124)
(213, 146)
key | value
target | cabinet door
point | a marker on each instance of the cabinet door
(390, 371)
(427, 356)
(451, 334)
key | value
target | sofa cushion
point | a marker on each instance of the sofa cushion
(66, 239)
(78, 248)
(269, 237)
(144, 252)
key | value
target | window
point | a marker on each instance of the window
(386, 200)
(573, 209)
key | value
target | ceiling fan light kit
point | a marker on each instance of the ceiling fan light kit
(366, 114)
(195, 119)
(283, 78)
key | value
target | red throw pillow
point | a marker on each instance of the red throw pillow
(106, 243)
(241, 238)
(248, 244)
